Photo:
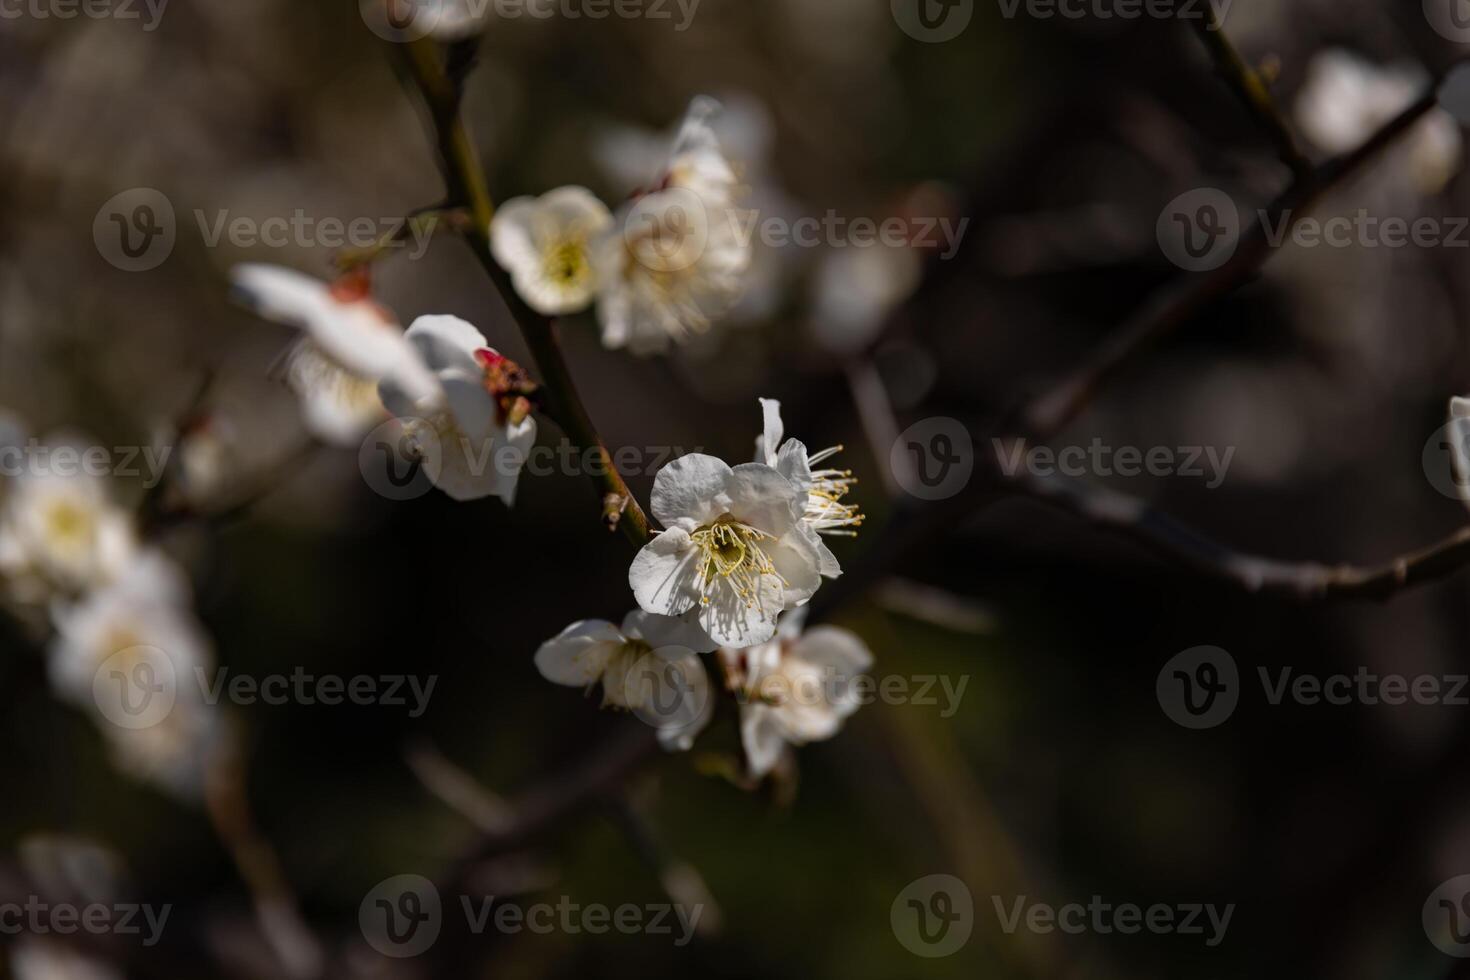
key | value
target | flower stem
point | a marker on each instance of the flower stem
(467, 188)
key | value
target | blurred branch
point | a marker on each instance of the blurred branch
(421, 221)
(467, 187)
(680, 880)
(458, 789)
(228, 804)
(1178, 303)
(1254, 92)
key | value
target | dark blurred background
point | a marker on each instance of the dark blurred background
(1059, 777)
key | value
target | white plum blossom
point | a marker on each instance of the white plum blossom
(648, 665)
(130, 654)
(823, 511)
(61, 533)
(352, 343)
(676, 259)
(735, 552)
(1346, 98)
(472, 437)
(795, 689)
(545, 245)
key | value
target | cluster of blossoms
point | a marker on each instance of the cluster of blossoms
(741, 556)
(665, 267)
(125, 638)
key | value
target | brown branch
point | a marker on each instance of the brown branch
(467, 188)
(1254, 93)
(1179, 302)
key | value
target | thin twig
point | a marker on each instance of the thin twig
(1253, 91)
(1178, 303)
(467, 187)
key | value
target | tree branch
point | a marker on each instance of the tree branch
(466, 184)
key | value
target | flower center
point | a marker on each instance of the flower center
(566, 263)
(67, 522)
(731, 553)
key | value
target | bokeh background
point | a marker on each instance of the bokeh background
(1059, 777)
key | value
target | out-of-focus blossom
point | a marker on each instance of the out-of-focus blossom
(735, 549)
(855, 291)
(545, 245)
(671, 691)
(473, 431)
(1346, 98)
(134, 656)
(676, 259)
(824, 489)
(33, 958)
(61, 533)
(352, 344)
(795, 689)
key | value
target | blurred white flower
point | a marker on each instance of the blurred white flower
(545, 245)
(33, 958)
(61, 532)
(647, 665)
(131, 655)
(676, 259)
(472, 436)
(855, 291)
(795, 689)
(823, 490)
(735, 550)
(352, 344)
(1346, 98)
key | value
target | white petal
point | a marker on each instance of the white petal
(511, 241)
(761, 737)
(693, 487)
(577, 655)
(763, 498)
(664, 574)
(732, 620)
(685, 702)
(772, 432)
(667, 631)
(447, 343)
(799, 565)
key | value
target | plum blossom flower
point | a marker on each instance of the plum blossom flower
(796, 688)
(734, 553)
(545, 245)
(676, 260)
(823, 511)
(474, 430)
(352, 343)
(130, 654)
(1346, 98)
(648, 665)
(62, 533)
